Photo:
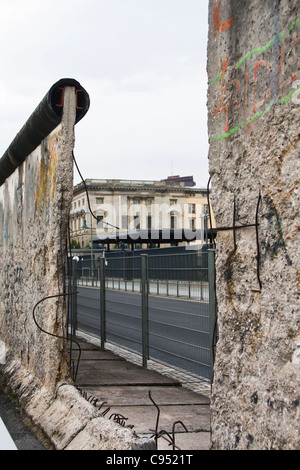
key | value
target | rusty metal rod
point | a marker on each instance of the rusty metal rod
(53, 334)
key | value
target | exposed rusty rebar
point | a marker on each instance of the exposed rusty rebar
(53, 334)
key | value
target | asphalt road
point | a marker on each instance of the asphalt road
(178, 329)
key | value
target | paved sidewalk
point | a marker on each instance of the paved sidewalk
(121, 388)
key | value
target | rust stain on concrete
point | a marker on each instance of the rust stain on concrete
(47, 171)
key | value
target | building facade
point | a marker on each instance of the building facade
(124, 206)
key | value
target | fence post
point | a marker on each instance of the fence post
(213, 309)
(74, 297)
(102, 302)
(145, 319)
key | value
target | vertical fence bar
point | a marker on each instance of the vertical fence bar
(213, 310)
(74, 298)
(102, 303)
(145, 319)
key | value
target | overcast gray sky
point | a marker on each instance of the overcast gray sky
(143, 63)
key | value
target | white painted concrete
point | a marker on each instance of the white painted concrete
(6, 442)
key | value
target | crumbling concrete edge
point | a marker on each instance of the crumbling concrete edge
(65, 420)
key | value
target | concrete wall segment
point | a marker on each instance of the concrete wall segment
(35, 202)
(253, 116)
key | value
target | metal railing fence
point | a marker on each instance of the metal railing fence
(161, 307)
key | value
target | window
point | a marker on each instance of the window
(192, 224)
(173, 220)
(136, 201)
(149, 222)
(136, 222)
(192, 208)
(99, 200)
(100, 221)
(148, 201)
(173, 201)
(124, 221)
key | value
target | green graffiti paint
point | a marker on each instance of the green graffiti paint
(216, 79)
(227, 134)
(287, 98)
(296, 23)
(256, 116)
(252, 53)
(260, 50)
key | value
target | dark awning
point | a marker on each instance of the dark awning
(165, 236)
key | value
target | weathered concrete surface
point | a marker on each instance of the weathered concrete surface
(11, 415)
(34, 202)
(34, 207)
(253, 115)
(119, 387)
(66, 420)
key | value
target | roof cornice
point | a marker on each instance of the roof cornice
(126, 188)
